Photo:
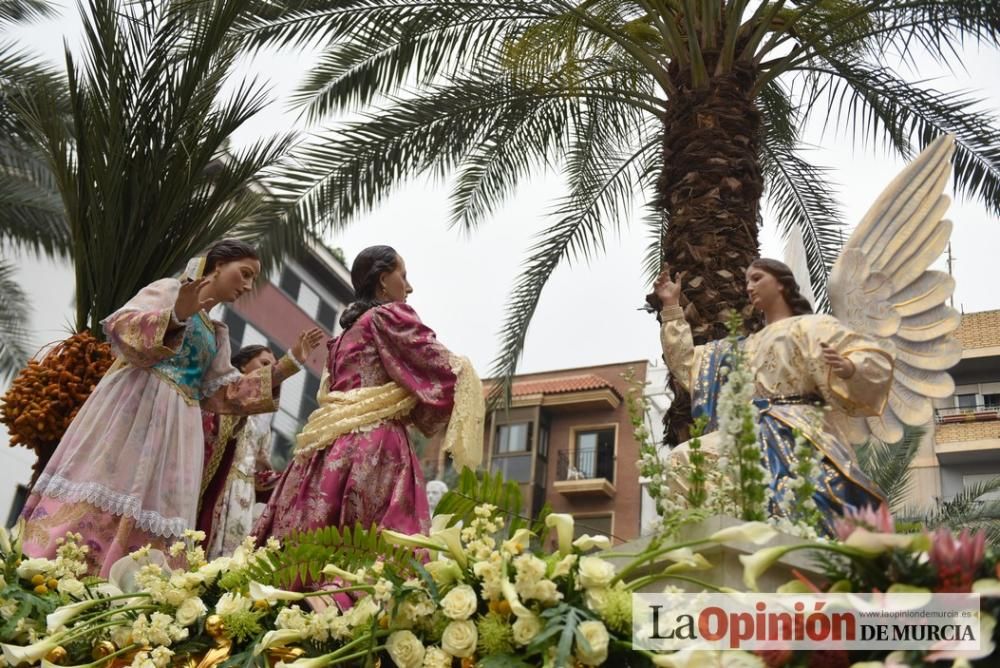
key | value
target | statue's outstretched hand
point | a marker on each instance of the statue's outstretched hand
(842, 367)
(666, 288)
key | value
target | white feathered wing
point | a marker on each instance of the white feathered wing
(881, 285)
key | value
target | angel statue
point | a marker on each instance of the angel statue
(868, 369)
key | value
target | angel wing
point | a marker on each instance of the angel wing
(881, 285)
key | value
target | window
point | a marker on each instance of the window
(290, 283)
(236, 326)
(309, 391)
(594, 454)
(513, 467)
(965, 400)
(597, 525)
(281, 450)
(513, 438)
(17, 505)
(543, 442)
(991, 400)
(326, 316)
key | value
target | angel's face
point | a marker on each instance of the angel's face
(763, 288)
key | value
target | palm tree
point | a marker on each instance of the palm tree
(30, 217)
(697, 104)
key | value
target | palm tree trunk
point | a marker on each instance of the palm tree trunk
(709, 192)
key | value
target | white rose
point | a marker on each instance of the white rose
(595, 572)
(29, 568)
(435, 657)
(189, 611)
(230, 604)
(460, 638)
(460, 603)
(596, 599)
(525, 629)
(597, 637)
(71, 587)
(405, 649)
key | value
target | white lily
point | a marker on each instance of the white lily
(307, 662)
(278, 638)
(877, 543)
(757, 533)
(261, 592)
(338, 572)
(15, 655)
(57, 619)
(440, 522)
(696, 562)
(586, 542)
(989, 587)
(406, 540)
(451, 538)
(510, 594)
(564, 530)
(4, 541)
(122, 572)
(518, 543)
(444, 571)
(755, 564)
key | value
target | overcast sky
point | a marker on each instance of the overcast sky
(587, 314)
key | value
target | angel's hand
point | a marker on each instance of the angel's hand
(842, 367)
(666, 288)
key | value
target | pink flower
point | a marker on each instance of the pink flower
(879, 521)
(957, 559)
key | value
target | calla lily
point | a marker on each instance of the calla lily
(452, 539)
(278, 639)
(794, 587)
(587, 542)
(694, 562)
(407, 540)
(32, 654)
(877, 543)
(989, 587)
(444, 571)
(510, 594)
(519, 542)
(4, 541)
(336, 571)
(122, 573)
(58, 618)
(755, 564)
(564, 530)
(307, 662)
(260, 592)
(757, 533)
(440, 522)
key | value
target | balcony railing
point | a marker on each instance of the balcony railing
(979, 413)
(586, 465)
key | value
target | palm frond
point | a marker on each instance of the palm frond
(880, 105)
(304, 554)
(14, 315)
(478, 488)
(603, 190)
(888, 465)
(14, 11)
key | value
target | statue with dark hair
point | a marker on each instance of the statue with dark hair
(127, 471)
(353, 461)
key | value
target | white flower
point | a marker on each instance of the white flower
(597, 638)
(58, 618)
(518, 543)
(491, 573)
(29, 568)
(564, 566)
(32, 654)
(525, 628)
(435, 657)
(564, 530)
(445, 571)
(757, 533)
(405, 649)
(383, 590)
(596, 599)
(460, 603)
(596, 573)
(161, 657)
(190, 611)
(71, 587)
(278, 638)
(460, 638)
(290, 618)
(586, 542)
(260, 592)
(451, 538)
(231, 603)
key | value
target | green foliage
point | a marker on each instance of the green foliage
(304, 554)
(561, 620)
(476, 488)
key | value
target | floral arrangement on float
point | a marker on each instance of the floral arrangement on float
(486, 587)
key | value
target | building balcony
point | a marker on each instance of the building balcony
(586, 472)
(968, 435)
